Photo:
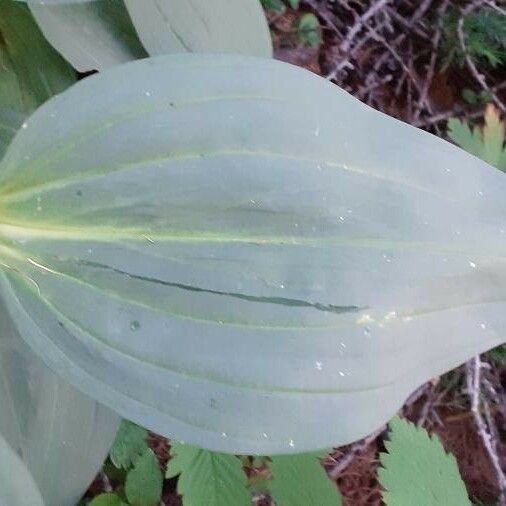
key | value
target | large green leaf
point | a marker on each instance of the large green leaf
(90, 35)
(205, 477)
(417, 470)
(17, 487)
(30, 70)
(232, 251)
(220, 26)
(61, 435)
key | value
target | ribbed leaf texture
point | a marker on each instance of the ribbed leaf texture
(417, 470)
(232, 251)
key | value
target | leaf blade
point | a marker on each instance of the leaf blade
(91, 35)
(179, 26)
(232, 234)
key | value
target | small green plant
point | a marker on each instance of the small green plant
(484, 33)
(487, 142)
(309, 30)
(415, 470)
(142, 476)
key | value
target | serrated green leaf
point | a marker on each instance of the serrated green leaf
(300, 480)
(486, 143)
(30, 70)
(239, 280)
(129, 445)
(92, 35)
(17, 487)
(220, 26)
(214, 479)
(143, 486)
(417, 470)
(107, 500)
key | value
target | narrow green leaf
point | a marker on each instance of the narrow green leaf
(214, 479)
(143, 486)
(129, 445)
(417, 470)
(300, 480)
(92, 35)
(107, 500)
(220, 26)
(242, 252)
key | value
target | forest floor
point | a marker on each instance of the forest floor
(422, 61)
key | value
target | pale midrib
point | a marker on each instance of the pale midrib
(105, 170)
(18, 230)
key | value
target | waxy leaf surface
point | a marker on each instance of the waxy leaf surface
(55, 429)
(233, 252)
(91, 35)
(220, 26)
(17, 487)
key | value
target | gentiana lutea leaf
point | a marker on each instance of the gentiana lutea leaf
(91, 35)
(220, 26)
(232, 251)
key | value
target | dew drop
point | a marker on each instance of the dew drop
(147, 93)
(483, 326)
(342, 374)
(264, 435)
(24, 126)
(135, 325)
(224, 435)
(319, 366)
(472, 264)
(291, 443)
(367, 332)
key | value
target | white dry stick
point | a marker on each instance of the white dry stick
(352, 33)
(473, 383)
